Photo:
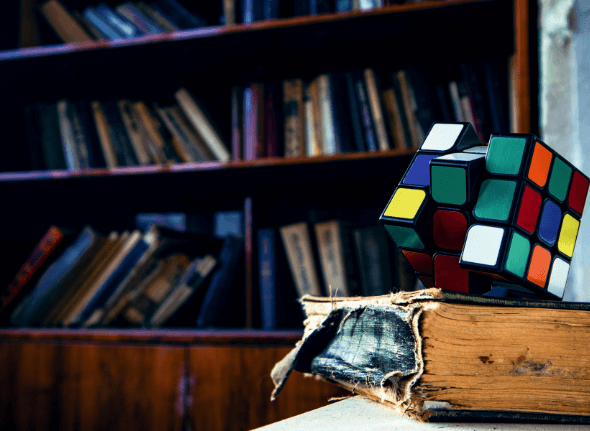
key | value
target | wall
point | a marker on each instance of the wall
(565, 108)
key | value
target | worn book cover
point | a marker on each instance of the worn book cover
(435, 355)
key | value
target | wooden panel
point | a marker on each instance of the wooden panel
(155, 336)
(90, 387)
(231, 388)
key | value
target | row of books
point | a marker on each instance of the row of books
(80, 135)
(330, 258)
(365, 110)
(159, 277)
(135, 19)
(126, 20)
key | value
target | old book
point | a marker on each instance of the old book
(316, 117)
(376, 109)
(132, 126)
(47, 249)
(394, 113)
(237, 108)
(336, 258)
(197, 145)
(151, 130)
(119, 136)
(326, 110)
(109, 149)
(202, 124)
(312, 146)
(67, 136)
(374, 262)
(158, 284)
(133, 14)
(301, 260)
(437, 355)
(293, 110)
(64, 24)
(180, 142)
(60, 306)
(188, 287)
(254, 122)
(410, 107)
(154, 15)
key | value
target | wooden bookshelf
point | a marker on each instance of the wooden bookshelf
(201, 378)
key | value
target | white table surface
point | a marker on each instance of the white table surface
(356, 414)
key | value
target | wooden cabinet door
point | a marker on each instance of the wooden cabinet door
(230, 389)
(82, 387)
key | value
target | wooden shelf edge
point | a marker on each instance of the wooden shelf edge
(196, 167)
(223, 30)
(153, 336)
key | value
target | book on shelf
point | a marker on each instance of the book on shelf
(373, 92)
(300, 255)
(278, 297)
(63, 23)
(336, 258)
(49, 247)
(444, 356)
(294, 115)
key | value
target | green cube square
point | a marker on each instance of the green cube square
(505, 155)
(518, 254)
(495, 200)
(560, 179)
(404, 237)
(448, 184)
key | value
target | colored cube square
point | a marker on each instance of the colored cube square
(550, 222)
(495, 200)
(558, 277)
(539, 266)
(407, 218)
(483, 247)
(529, 209)
(448, 275)
(517, 254)
(418, 174)
(450, 137)
(453, 177)
(559, 181)
(540, 163)
(578, 192)
(568, 235)
(405, 203)
(427, 281)
(449, 228)
(420, 262)
(506, 155)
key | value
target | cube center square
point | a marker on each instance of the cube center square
(449, 184)
(418, 174)
(540, 164)
(505, 155)
(495, 200)
(405, 203)
(559, 179)
(550, 221)
(483, 245)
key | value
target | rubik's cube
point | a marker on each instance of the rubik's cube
(468, 216)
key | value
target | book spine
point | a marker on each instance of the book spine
(340, 105)
(267, 277)
(297, 245)
(67, 136)
(139, 20)
(357, 124)
(293, 114)
(409, 103)
(327, 115)
(95, 155)
(257, 129)
(63, 23)
(125, 154)
(456, 101)
(229, 12)
(314, 95)
(100, 24)
(365, 111)
(79, 136)
(133, 131)
(236, 122)
(270, 121)
(156, 17)
(376, 110)
(44, 249)
(104, 133)
(248, 126)
(311, 140)
(118, 22)
(331, 258)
